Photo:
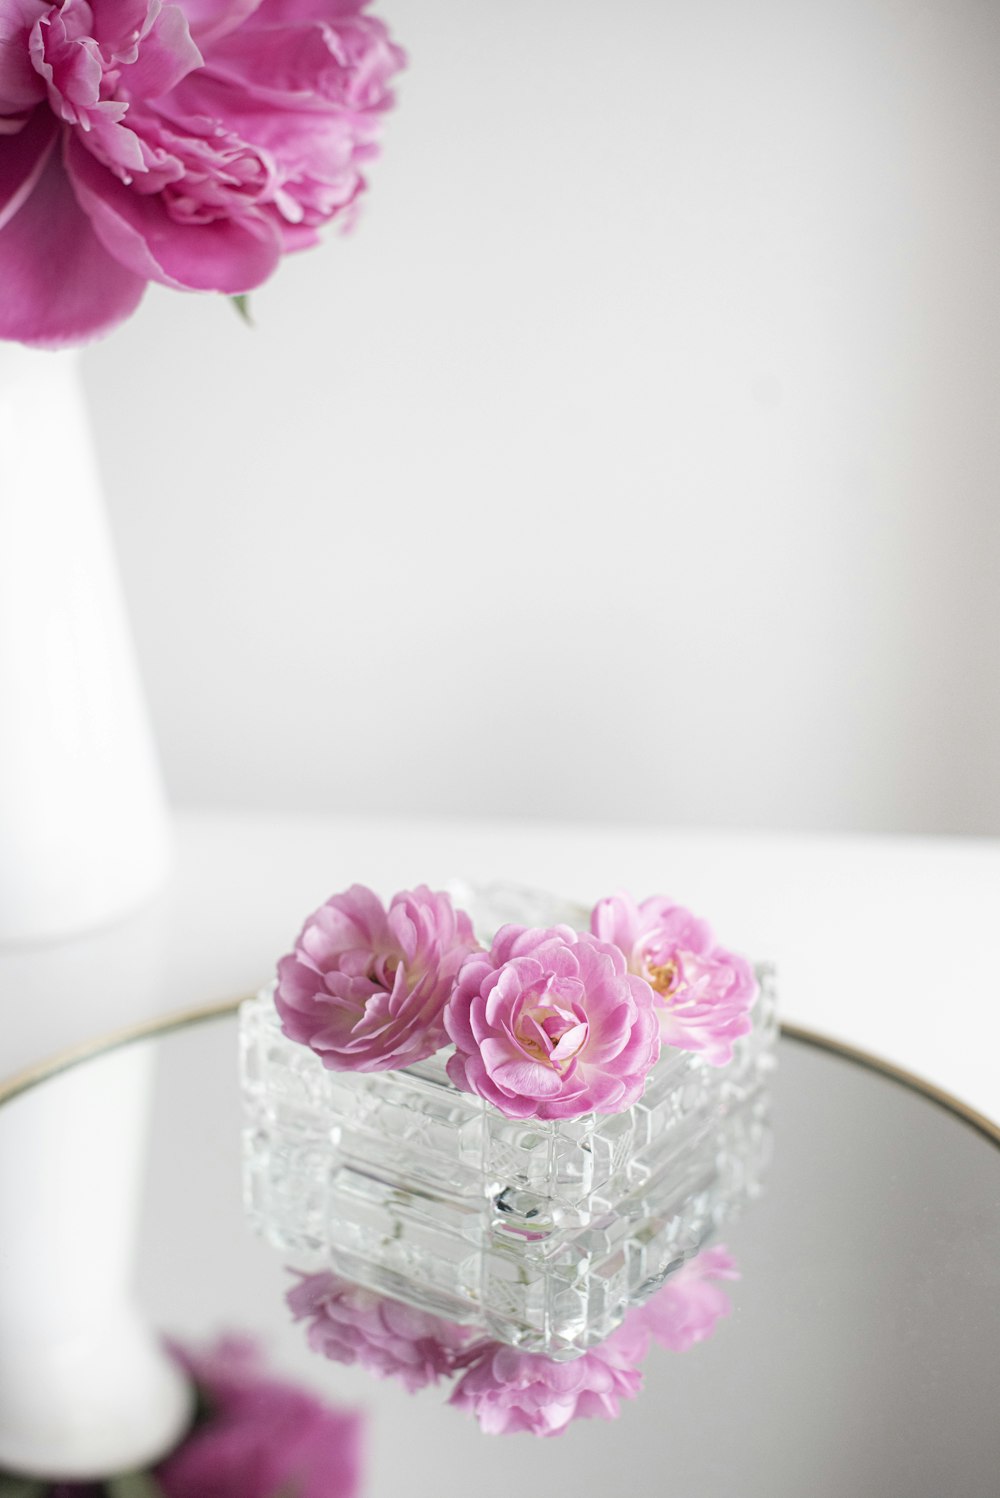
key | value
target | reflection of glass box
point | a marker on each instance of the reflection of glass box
(544, 1232)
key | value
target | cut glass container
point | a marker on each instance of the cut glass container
(542, 1232)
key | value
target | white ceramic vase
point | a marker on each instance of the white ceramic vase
(86, 1388)
(83, 826)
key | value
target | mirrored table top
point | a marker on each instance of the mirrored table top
(860, 1352)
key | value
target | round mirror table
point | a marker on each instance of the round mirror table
(851, 1345)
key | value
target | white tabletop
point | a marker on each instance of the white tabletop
(886, 943)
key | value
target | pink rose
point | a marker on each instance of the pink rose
(365, 987)
(353, 1325)
(510, 1391)
(259, 1436)
(549, 1024)
(687, 1308)
(703, 993)
(190, 143)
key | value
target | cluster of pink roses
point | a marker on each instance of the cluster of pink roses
(547, 1023)
(507, 1390)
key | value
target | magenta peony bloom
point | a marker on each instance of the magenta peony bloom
(261, 1436)
(703, 993)
(353, 1325)
(511, 1391)
(548, 1024)
(365, 987)
(190, 143)
(686, 1309)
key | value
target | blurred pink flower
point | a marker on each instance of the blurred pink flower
(686, 1309)
(510, 1391)
(353, 1325)
(548, 1024)
(260, 1436)
(190, 143)
(703, 993)
(365, 987)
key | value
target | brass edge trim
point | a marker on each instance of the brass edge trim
(898, 1074)
(63, 1060)
(12, 1087)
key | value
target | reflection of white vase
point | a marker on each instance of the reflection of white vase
(85, 1386)
(83, 829)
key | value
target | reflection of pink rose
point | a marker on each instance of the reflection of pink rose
(353, 1325)
(548, 1024)
(189, 143)
(261, 1436)
(703, 993)
(365, 987)
(686, 1309)
(510, 1391)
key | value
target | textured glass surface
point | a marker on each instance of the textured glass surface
(544, 1232)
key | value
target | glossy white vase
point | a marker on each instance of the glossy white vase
(83, 825)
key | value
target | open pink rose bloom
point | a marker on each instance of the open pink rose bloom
(704, 993)
(366, 986)
(191, 144)
(549, 1024)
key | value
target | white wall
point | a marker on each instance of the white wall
(637, 456)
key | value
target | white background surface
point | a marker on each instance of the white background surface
(632, 466)
(634, 461)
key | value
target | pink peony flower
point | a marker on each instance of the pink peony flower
(190, 143)
(686, 1309)
(353, 1325)
(548, 1024)
(365, 987)
(510, 1391)
(703, 993)
(260, 1436)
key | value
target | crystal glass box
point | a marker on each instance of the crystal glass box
(544, 1233)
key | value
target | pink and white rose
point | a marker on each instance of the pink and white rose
(549, 1024)
(366, 986)
(704, 993)
(191, 143)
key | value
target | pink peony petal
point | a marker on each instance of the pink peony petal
(228, 255)
(20, 86)
(211, 19)
(166, 56)
(59, 283)
(22, 161)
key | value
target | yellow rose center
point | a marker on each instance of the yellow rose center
(662, 977)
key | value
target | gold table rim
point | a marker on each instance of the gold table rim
(51, 1066)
